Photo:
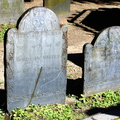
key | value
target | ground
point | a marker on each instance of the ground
(78, 34)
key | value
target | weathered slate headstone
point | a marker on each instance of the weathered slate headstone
(10, 10)
(102, 62)
(60, 7)
(36, 55)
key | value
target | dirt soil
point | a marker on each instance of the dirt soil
(78, 34)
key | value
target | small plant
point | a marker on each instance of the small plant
(3, 29)
(72, 95)
(70, 76)
(103, 100)
(46, 112)
(1, 83)
(1, 115)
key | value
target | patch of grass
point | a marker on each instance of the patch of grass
(75, 111)
(2, 114)
(3, 29)
(46, 112)
(72, 96)
(101, 100)
(69, 66)
(70, 76)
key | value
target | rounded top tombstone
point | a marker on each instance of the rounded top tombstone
(38, 19)
(35, 57)
(107, 36)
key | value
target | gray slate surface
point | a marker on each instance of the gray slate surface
(36, 55)
(102, 62)
(11, 10)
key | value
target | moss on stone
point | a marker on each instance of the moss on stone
(5, 4)
(50, 3)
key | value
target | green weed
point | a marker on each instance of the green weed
(72, 95)
(3, 29)
(70, 76)
(67, 112)
(1, 83)
(1, 115)
(46, 112)
(103, 100)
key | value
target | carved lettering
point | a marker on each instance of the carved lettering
(51, 56)
(28, 59)
(37, 58)
(36, 46)
(34, 58)
(58, 44)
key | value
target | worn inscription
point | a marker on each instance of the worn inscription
(36, 60)
(102, 62)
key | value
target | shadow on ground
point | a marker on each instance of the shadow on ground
(95, 20)
(75, 87)
(113, 110)
(109, 2)
(28, 0)
(77, 58)
(3, 99)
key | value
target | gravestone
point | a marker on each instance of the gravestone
(102, 62)
(36, 55)
(60, 7)
(10, 10)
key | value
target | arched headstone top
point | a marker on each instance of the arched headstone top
(107, 36)
(38, 19)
